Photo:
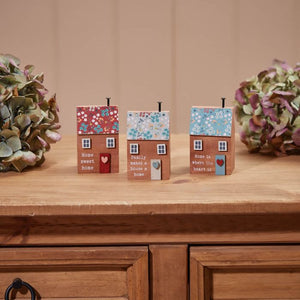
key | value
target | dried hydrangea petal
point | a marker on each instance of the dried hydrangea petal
(5, 150)
(53, 136)
(14, 143)
(28, 121)
(239, 96)
(268, 108)
(296, 137)
(254, 101)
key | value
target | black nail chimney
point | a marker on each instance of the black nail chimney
(108, 101)
(223, 102)
(159, 105)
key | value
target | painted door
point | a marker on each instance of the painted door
(105, 162)
(155, 169)
(220, 163)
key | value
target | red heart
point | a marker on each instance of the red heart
(104, 159)
(220, 162)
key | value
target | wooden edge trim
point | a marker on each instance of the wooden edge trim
(138, 279)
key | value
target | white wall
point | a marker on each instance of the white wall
(184, 52)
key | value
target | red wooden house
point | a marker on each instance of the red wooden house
(98, 139)
(212, 144)
(148, 145)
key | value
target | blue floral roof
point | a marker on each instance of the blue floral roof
(211, 121)
(148, 125)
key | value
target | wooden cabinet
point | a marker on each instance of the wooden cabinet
(100, 236)
(245, 272)
(102, 273)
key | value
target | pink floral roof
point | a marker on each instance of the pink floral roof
(97, 120)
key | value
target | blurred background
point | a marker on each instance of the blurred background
(183, 52)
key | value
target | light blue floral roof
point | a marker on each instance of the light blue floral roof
(148, 125)
(211, 121)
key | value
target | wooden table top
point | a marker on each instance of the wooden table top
(259, 184)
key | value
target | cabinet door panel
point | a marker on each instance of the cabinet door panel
(246, 272)
(78, 273)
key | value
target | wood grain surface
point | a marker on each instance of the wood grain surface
(159, 229)
(169, 272)
(259, 184)
(248, 272)
(77, 273)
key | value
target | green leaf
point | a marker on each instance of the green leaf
(35, 114)
(245, 118)
(280, 84)
(245, 124)
(266, 87)
(22, 121)
(296, 103)
(3, 69)
(9, 80)
(6, 94)
(5, 151)
(248, 109)
(4, 112)
(14, 103)
(4, 58)
(7, 133)
(285, 117)
(293, 78)
(19, 164)
(14, 58)
(26, 133)
(258, 111)
(16, 156)
(21, 78)
(14, 143)
(296, 123)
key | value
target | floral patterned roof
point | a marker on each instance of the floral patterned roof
(97, 120)
(148, 125)
(211, 121)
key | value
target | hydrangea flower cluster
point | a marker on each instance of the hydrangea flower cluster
(268, 109)
(28, 122)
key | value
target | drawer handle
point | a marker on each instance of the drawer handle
(17, 284)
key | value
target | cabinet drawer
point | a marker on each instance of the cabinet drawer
(116, 273)
(245, 272)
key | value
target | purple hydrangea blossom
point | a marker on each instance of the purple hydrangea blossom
(268, 108)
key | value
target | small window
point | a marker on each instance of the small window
(110, 143)
(222, 146)
(86, 143)
(134, 148)
(161, 149)
(198, 145)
